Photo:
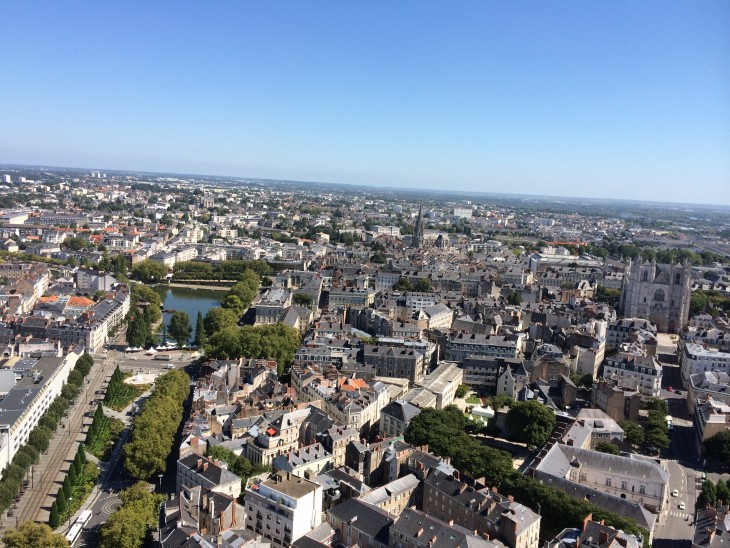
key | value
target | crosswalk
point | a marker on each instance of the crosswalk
(678, 514)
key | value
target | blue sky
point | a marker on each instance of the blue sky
(621, 99)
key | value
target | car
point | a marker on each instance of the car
(682, 505)
(670, 389)
(675, 493)
(678, 392)
(169, 366)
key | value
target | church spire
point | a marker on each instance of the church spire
(417, 238)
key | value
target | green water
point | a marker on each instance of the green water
(190, 301)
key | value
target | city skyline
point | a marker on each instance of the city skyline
(627, 101)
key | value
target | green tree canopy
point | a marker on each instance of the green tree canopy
(37, 535)
(149, 271)
(607, 447)
(199, 338)
(219, 318)
(274, 341)
(717, 448)
(155, 427)
(131, 525)
(179, 327)
(303, 299)
(633, 432)
(531, 423)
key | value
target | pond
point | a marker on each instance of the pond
(189, 300)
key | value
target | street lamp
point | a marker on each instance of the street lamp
(69, 511)
(159, 476)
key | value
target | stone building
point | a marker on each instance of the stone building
(659, 293)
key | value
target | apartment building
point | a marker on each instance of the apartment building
(696, 358)
(200, 471)
(646, 370)
(282, 508)
(485, 511)
(711, 417)
(461, 345)
(395, 418)
(36, 383)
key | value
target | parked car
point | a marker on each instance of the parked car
(675, 493)
(682, 505)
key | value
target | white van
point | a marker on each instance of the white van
(169, 366)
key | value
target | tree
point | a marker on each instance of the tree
(154, 429)
(530, 422)
(424, 285)
(462, 390)
(302, 299)
(136, 329)
(40, 437)
(199, 339)
(403, 284)
(145, 297)
(149, 271)
(219, 318)
(54, 519)
(717, 447)
(233, 303)
(657, 437)
(61, 502)
(722, 491)
(73, 477)
(707, 496)
(633, 432)
(38, 535)
(607, 447)
(698, 303)
(179, 327)
(67, 488)
(514, 298)
(659, 405)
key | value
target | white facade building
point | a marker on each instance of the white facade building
(696, 358)
(283, 508)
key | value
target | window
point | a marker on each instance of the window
(623, 485)
(659, 295)
(608, 482)
(678, 279)
(642, 489)
(645, 277)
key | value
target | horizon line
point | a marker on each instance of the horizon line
(371, 185)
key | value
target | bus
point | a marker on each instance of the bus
(73, 533)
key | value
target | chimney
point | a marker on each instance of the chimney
(420, 532)
(511, 498)
(451, 523)
(198, 463)
(588, 518)
(602, 537)
(205, 466)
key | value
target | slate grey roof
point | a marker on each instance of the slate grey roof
(434, 533)
(401, 410)
(557, 463)
(372, 521)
